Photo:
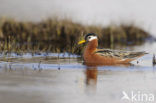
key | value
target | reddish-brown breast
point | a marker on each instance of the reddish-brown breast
(92, 58)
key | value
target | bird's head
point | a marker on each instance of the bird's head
(88, 37)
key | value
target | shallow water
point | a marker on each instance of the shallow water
(64, 79)
(48, 79)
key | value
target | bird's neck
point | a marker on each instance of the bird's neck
(92, 45)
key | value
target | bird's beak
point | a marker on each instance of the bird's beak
(81, 42)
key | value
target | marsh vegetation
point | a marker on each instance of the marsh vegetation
(53, 35)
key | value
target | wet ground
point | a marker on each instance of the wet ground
(49, 78)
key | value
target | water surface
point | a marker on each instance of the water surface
(49, 79)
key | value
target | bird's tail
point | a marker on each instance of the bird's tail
(134, 55)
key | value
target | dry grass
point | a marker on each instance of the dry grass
(54, 35)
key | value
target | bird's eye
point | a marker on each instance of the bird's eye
(89, 37)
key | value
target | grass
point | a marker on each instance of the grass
(54, 35)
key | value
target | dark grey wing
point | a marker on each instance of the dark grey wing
(119, 54)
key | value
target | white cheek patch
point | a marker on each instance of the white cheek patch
(92, 38)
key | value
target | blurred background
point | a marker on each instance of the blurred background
(96, 12)
(40, 61)
(118, 23)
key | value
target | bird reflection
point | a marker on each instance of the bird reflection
(91, 79)
(91, 74)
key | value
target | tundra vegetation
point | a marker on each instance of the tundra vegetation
(53, 35)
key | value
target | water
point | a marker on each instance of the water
(53, 78)
(64, 79)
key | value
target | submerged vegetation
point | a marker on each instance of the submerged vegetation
(54, 35)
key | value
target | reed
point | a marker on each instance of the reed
(53, 35)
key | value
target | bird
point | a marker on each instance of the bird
(94, 56)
